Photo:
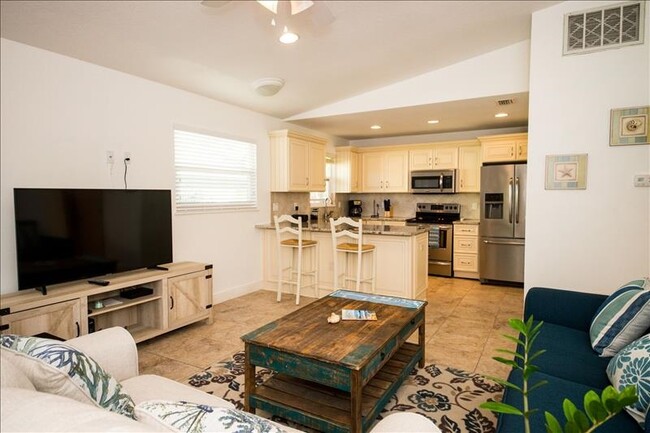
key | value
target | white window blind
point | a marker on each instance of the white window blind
(214, 173)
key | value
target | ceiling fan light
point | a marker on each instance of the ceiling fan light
(268, 86)
(298, 6)
(271, 5)
(288, 37)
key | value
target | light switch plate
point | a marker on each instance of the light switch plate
(642, 180)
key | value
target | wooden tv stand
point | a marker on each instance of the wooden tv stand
(181, 295)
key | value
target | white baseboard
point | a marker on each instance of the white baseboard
(235, 292)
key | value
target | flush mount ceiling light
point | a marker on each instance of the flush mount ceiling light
(501, 115)
(268, 86)
(433, 122)
(375, 127)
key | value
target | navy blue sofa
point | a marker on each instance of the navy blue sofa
(570, 365)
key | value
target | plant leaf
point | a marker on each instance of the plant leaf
(536, 354)
(628, 396)
(499, 407)
(515, 339)
(569, 409)
(518, 325)
(581, 420)
(537, 385)
(510, 352)
(610, 400)
(552, 424)
(594, 408)
(571, 427)
(509, 362)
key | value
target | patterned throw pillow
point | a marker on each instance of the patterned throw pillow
(631, 366)
(57, 368)
(623, 317)
(197, 418)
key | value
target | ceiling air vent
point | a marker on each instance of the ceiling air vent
(505, 101)
(613, 26)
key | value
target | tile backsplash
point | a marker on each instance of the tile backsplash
(403, 203)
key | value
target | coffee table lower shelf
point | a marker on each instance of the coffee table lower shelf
(328, 409)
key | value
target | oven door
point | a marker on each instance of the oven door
(440, 249)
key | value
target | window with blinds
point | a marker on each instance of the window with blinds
(214, 173)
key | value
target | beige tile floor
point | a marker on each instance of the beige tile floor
(464, 324)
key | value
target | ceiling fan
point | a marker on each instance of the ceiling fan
(282, 10)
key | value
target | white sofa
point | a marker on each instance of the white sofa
(24, 408)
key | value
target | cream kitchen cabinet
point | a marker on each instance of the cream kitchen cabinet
(504, 148)
(469, 169)
(297, 162)
(435, 158)
(347, 170)
(466, 250)
(385, 171)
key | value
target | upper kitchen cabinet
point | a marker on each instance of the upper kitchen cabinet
(385, 171)
(347, 170)
(433, 158)
(509, 147)
(469, 169)
(297, 162)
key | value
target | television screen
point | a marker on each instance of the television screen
(72, 234)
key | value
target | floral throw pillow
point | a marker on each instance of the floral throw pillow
(631, 366)
(57, 368)
(187, 417)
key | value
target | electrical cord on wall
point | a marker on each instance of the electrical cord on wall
(126, 169)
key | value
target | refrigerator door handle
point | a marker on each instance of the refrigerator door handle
(517, 200)
(510, 200)
(514, 242)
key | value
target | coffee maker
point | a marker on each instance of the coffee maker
(354, 208)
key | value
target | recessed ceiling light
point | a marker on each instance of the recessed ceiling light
(288, 37)
(375, 127)
(432, 122)
(501, 115)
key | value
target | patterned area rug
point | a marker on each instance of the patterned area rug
(448, 396)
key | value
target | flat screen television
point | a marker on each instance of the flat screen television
(65, 235)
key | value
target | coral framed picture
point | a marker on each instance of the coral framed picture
(566, 171)
(629, 126)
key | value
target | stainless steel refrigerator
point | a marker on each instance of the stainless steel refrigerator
(503, 223)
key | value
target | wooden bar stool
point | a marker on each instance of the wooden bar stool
(297, 244)
(357, 247)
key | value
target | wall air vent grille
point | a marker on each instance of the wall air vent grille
(603, 28)
(505, 101)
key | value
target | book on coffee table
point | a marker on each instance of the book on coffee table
(358, 315)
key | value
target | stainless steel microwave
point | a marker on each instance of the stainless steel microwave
(433, 182)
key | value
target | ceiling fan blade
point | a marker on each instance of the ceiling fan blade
(271, 5)
(298, 6)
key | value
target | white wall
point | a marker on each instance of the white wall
(59, 116)
(596, 239)
(498, 72)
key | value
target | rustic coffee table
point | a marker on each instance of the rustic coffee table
(334, 377)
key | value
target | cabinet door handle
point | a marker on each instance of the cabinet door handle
(78, 329)
(171, 298)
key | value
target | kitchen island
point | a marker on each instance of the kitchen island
(401, 253)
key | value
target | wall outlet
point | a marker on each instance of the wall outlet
(642, 180)
(275, 207)
(110, 157)
(295, 207)
(127, 158)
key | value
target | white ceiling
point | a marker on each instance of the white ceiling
(346, 48)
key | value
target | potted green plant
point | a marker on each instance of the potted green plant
(598, 409)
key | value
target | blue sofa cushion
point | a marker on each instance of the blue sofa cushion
(569, 356)
(623, 317)
(549, 398)
(631, 366)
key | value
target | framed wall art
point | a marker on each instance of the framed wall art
(566, 171)
(629, 126)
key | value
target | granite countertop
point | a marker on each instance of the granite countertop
(468, 221)
(367, 230)
(381, 218)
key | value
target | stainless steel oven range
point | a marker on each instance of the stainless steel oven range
(439, 219)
